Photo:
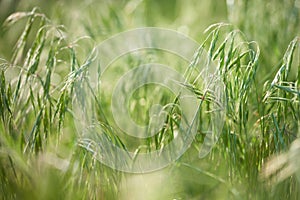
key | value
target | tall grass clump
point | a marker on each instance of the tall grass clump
(272, 24)
(256, 155)
(39, 154)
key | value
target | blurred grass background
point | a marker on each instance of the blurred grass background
(261, 122)
(273, 24)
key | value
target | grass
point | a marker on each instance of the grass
(256, 156)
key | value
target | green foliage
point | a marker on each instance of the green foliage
(41, 156)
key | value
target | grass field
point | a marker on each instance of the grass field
(46, 49)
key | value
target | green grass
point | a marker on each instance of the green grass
(257, 53)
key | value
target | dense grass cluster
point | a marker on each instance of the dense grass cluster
(256, 156)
